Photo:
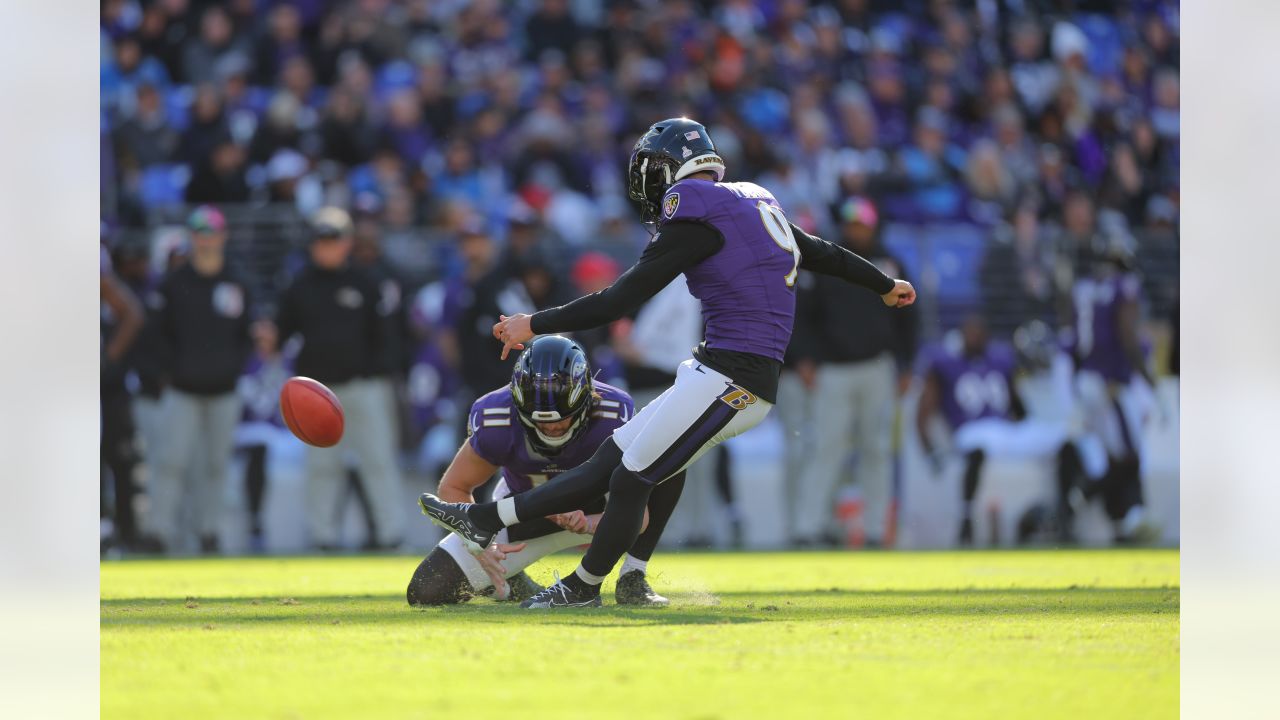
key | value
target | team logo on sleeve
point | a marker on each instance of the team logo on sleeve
(737, 398)
(670, 204)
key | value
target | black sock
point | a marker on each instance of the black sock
(578, 585)
(486, 516)
(620, 525)
(662, 502)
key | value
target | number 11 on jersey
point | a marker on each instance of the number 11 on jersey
(775, 223)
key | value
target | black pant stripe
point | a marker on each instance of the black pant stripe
(679, 451)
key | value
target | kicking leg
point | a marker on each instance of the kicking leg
(479, 522)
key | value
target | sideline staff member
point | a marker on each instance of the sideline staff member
(202, 322)
(333, 306)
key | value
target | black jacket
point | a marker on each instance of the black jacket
(840, 323)
(395, 353)
(202, 330)
(336, 314)
(481, 366)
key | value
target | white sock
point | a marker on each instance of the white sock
(587, 577)
(507, 511)
(630, 563)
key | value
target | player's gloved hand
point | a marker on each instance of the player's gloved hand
(513, 332)
(491, 560)
(902, 294)
(574, 522)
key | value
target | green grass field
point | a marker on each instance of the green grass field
(1070, 634)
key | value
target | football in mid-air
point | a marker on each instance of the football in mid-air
(311, 411)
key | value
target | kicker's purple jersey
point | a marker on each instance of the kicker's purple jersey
(972, 388)
(497, 436)
(1097, 306)
(747, 287)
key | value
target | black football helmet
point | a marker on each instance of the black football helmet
(552, 382)
(670, 151)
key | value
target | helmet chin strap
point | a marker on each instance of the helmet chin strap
(554, 442)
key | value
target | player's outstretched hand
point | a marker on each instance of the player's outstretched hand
(901, 295)
(513, 332)
(491, 560)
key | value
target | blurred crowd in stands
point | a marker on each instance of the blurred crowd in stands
(479, 148)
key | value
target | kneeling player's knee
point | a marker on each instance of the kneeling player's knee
(438, 581)
(422, 591)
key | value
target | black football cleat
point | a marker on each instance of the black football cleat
(560, 596)
(453, 517)
(523, 587)
(633, 589)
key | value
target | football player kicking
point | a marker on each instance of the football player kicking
(550, 419)
(740, 256)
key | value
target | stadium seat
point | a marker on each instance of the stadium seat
(1106, 47)
(177, 104)
(163, 185)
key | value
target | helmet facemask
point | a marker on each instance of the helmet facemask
(648, 178)
(534, 423)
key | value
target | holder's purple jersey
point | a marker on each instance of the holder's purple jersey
(972, 388)
(1097, 307)
(747, 288)
(497, 436)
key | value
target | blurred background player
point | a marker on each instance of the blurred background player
(984, 393)
(333, 307)
(857, 378)
(431, 387)
(202, 328)
(1111, 363)
(260, 427)
(121, 323)
(551, 418)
